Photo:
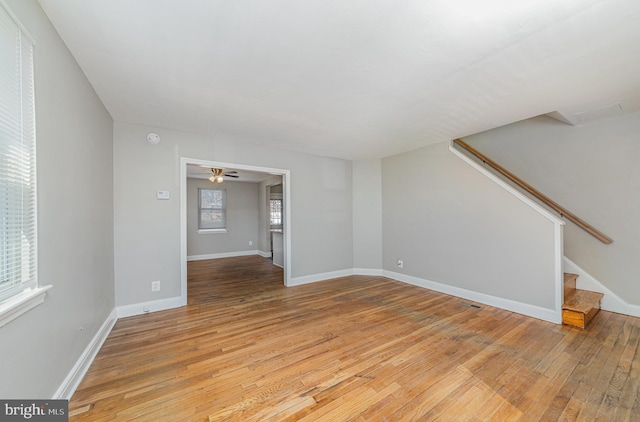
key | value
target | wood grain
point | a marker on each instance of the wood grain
(357, 348)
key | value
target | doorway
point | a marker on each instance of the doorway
(286, 211)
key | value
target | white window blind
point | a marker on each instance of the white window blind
(17, 160)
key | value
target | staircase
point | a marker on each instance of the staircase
(580, 306)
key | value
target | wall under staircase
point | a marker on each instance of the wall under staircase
(460, 232)
(591, 170)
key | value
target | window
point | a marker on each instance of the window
(19, 291)
(17, 160)
(212, 210)
(275, 212)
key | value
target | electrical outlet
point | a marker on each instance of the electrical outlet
(155, 286)
(251, 243)
(400, 263)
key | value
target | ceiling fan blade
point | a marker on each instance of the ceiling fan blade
(230, 172)
(231, 175)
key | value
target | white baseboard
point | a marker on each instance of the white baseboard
(544, 314)
(224, 255)
(264, 254)
(73, 379)
(297, 281)
(151, 306)
(367, 271)
(610, 301)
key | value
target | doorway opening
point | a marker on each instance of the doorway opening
(186, 163)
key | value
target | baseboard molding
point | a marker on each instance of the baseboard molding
(498, 302)
(367, 271)
(224, 255)
(610, 301)
(151, 306)
(77, 373)
(507, 304)
(297, 281)
(264, 254)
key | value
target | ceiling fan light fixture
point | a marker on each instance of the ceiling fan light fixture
(216, 176)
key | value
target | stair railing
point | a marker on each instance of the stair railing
(535, 193)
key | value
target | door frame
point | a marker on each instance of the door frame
(286, 192)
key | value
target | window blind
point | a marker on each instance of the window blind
(17, 160)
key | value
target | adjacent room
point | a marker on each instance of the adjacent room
(279, 210)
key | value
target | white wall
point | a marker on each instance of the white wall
(591, 170)
(147, 231)
(367, 214)
(453, 226)
(242, 219)
(75, 221)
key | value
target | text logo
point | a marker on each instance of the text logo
(34, 410)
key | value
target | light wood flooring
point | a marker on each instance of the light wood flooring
(356, 348)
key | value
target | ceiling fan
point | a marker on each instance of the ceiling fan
(218, 175)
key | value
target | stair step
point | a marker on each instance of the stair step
(580, 307)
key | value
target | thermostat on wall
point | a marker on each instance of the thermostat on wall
(162, 194)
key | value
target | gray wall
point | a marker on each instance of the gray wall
(75, 221)
(147, 231)
(242, 219)
(591, 170)
(367, 214)
(451, 225)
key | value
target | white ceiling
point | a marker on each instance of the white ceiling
(353, 78)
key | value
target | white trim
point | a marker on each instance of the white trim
(222, 255)
(633, 310)
(286, 238)
(534, 311)
(286, 184)
(558, 245)
(498, 302)
(367, 271)
(183, 228)
(79, 370)
(152, 306)
(21, 303)
(530, 202)
(211, 231)
(610, 301)
(264, 254)
(297, 281)
(18, 22)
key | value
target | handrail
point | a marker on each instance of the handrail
(537, 194)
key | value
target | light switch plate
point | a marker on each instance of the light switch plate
(162, 194)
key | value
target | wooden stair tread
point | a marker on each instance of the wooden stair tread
(582, 301)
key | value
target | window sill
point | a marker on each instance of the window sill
(21, 303)
(211, 231)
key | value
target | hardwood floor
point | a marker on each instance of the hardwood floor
(356, 348)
